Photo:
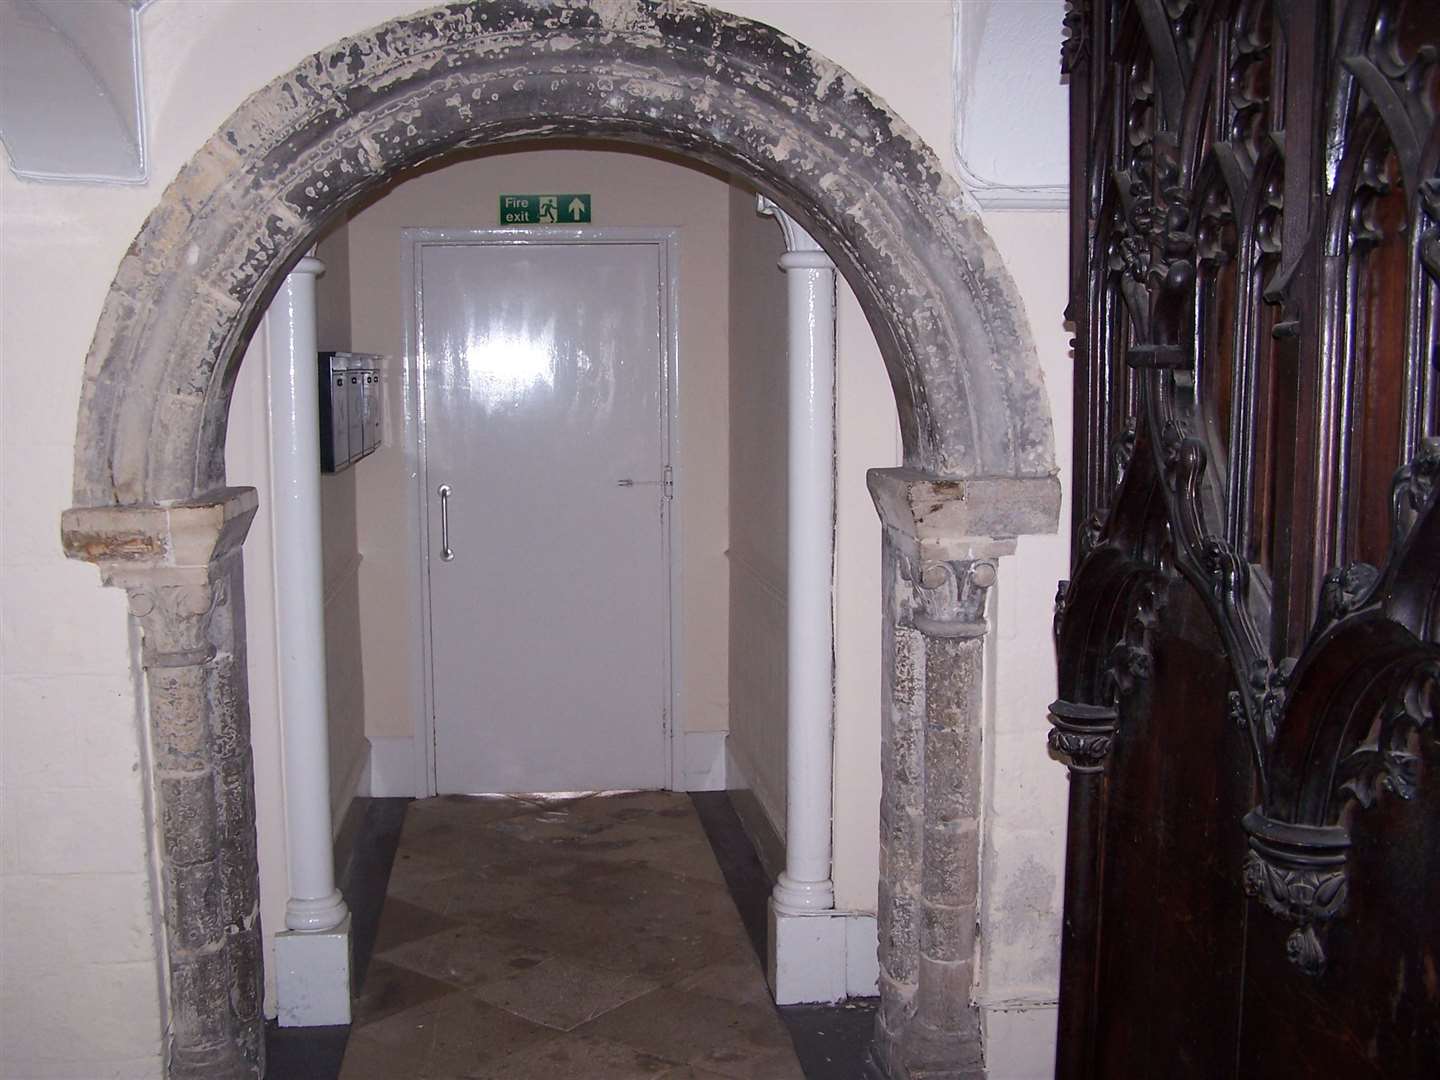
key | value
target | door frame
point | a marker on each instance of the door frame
(413, 417)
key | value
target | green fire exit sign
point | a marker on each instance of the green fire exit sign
(544, 209)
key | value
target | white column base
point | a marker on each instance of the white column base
(793, 897)
(312, 977)
(822, 956)
(316, 915)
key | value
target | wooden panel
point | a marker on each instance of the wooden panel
(1250, 642)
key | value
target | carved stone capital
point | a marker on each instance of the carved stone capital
(797, 240)
(950, 596)
(1298, 873)
(1081, 735)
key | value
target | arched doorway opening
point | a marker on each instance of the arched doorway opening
(153, 511)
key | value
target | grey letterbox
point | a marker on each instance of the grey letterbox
(334, 412)
(350, 408)
(372, 410)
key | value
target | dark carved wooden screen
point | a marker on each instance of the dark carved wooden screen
(1249, 668)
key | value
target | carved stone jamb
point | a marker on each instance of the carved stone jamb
(942, 542)
(180, 565)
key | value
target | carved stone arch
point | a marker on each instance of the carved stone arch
(719, 88)
(153, 511)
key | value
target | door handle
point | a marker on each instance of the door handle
(446, 554)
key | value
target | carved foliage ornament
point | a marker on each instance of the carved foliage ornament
(1132, 659)
(1081, 735)
(1306, 895)
(1414, 487)
(1075, 48)
(1385, 762)
(951, 597)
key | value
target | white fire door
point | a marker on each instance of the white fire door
(544, 369)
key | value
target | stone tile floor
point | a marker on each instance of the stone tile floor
(553, 937)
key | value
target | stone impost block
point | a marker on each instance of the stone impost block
(942, 519)
(180, 536)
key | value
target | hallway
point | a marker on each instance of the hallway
(553, 937)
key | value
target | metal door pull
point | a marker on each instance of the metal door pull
(446, 554)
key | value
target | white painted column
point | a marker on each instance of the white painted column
(805, 884)
(808, 938)
(313, 976)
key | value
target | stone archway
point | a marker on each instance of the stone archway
(153, 512)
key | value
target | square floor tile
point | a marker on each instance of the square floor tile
(579, 1056)
(401, 922)
(734, 1040)
(390, 989)
(470, 1034)
(562, 994)
(465, 955)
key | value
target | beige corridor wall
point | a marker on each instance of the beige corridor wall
(79, 982)
(629, 189)
(759, 493)
(345, 690)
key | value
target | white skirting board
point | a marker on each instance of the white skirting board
(393, 765)
(393, 770)
(356, 782)
(703, 761)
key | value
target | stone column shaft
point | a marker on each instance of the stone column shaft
(181, 567)
(942, 542)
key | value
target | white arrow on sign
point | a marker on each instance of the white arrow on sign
(576, 208)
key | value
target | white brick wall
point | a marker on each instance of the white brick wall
(79, 984)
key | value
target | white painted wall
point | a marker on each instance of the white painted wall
(72, 804)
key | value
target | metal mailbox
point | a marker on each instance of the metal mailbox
(350, 408)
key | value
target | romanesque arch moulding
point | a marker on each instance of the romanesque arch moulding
(153, 511)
